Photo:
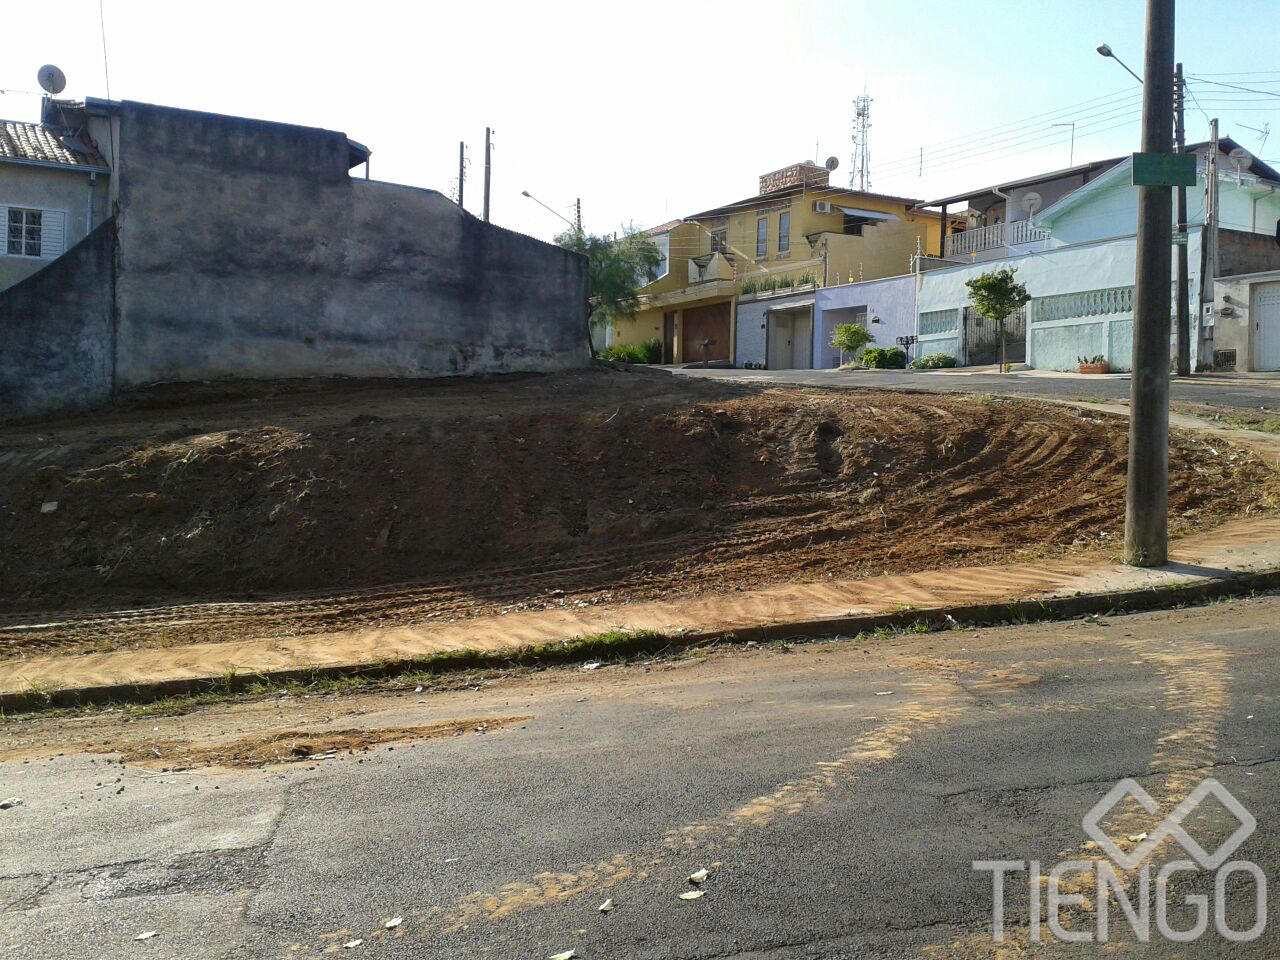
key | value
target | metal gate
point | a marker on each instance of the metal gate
(982, 338)
(1266, 322)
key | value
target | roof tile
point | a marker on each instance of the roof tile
(39, 143)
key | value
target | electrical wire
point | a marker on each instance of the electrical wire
(1236, 86)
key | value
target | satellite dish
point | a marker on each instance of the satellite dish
(1241, 157)
(1031, 201)
(52, 80)
(832, 163)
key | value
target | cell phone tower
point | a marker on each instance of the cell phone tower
(860, 175)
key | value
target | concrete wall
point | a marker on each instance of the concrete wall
(65, 191)
(1240, 253)
(1055, 345)
(246, 250)
(893, 300)
(55, 351)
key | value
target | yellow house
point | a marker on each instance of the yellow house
(797, 232)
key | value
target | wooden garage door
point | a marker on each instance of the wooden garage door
(705, 323)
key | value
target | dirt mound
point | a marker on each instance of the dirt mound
(296, 746)
(587, 488)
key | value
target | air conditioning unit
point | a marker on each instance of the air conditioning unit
(822, 206)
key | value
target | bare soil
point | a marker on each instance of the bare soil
(210, 513)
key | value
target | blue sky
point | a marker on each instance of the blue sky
(652, 110)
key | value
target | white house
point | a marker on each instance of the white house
(1076, 255)
(53, 191)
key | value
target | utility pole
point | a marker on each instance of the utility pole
(1146, 522)
(462, 169)
(488, 166)
(577, 216)
(1180, 214)
(1209, 233)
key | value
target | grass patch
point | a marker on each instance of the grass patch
(1263, 421)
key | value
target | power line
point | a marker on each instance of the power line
(1014, 126)
(1236, 86)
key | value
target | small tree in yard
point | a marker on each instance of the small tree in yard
(996, 296)
(850, 338)
(616, 270)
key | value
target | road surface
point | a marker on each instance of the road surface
(837, 793)
(1244, 394)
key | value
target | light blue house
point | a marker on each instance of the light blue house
(886, 307)
(1075, 251)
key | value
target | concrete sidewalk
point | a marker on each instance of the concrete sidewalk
(1228, 557)
(1223, 555)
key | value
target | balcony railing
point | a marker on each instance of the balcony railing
(995, 237)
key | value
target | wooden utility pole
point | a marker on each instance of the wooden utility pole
(1180, 215)
(462, 169)
(488, 166)
(1146, 522)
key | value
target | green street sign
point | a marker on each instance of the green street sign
(1164, 169)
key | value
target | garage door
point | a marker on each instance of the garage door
(701, 324)
(1266, 326)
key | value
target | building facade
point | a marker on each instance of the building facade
(53, 190)
(797, 233)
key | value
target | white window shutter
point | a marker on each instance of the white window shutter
(52, 233)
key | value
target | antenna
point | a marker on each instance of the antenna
(52, 80)
(832, 163)
(860, 174)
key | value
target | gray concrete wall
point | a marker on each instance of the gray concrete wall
(55, 332)
(248, 251)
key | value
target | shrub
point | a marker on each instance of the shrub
(648, 351)
(933, 361)
(884, 358)
(806, 278)
(652, 350)
(784, 283)
(850, 337)
(750, 286)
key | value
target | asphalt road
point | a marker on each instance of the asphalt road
(837, 793)
(1244, 394)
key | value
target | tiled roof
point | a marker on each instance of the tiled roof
(38, 143)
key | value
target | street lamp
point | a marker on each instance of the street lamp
(577, 227)
(1106, 51)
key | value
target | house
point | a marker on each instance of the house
(53, 190)
(227, 248)
(796, 235)
(1076, 253)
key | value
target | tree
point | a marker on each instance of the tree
(996, 296)
(616, 270)
(850, 337)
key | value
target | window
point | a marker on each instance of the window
(659, 270)
(25, 227)
(762, 237)
(720, 240)
(784, 231)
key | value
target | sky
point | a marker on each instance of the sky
(649, 111)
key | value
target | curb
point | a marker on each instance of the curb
(981, 614)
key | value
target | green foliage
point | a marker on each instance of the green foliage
(998, 294)
(806, 278)
(884, 358)
(934, 361)
(1091, 361)
(650, 351)
(785, 283)
(750, 285)
(617, 269)
(850, 337)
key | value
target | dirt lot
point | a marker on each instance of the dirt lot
(210, 513)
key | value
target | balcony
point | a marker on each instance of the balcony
(989, 243)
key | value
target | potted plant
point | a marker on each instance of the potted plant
(1094, 364)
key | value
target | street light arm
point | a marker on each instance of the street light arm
(526, 193)
(1104, 50)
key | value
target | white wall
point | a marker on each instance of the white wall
(892, 299)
